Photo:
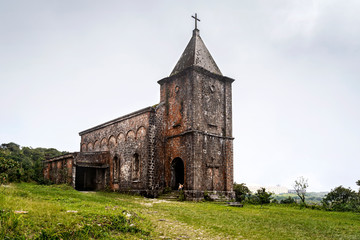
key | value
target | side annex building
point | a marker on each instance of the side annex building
(186, 138)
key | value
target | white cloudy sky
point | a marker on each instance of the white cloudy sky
(67, 65)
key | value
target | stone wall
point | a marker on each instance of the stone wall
(198, 129)
(128, 141)
(59, 169)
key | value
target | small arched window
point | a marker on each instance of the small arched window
(116, 169)
(136, 167)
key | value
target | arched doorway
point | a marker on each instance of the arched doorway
(177, 173)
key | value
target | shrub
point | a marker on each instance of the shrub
(288, 200)
(241, 191)
(181, 196)
(263, 196)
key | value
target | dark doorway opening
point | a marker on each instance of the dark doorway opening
(177, 173)
(85, 179)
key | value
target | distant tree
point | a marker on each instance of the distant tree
(262, 196)
(358, 182)
(288, 200)
(300, 186)
(241, 190)
(12, 147)
(341, 199)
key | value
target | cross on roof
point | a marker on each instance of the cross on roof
(196, 19)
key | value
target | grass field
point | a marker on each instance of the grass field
(59, 212)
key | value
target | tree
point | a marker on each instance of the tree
(341, 199)
(358, 182)
(263, 196)
(12, 147)
(241, 190)
(6, 164)
(300, 186)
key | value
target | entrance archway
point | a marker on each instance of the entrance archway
(177, 173)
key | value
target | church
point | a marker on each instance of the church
(185, 139)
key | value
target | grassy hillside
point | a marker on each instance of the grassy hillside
(59, 212)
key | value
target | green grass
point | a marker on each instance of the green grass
(116, 216)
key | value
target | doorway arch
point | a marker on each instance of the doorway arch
(177, 173)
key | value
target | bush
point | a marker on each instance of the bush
(7, 165)
(263, 196)
(181, 196)
(241, 191)
(288, 200)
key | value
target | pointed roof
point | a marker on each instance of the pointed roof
(196, 54)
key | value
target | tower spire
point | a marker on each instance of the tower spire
(196, 54)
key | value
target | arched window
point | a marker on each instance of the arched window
(136, 167)
(116, 169)
(103, 145)
(97, 146)
(83, 147)
(130, 136)
(141, 133)
(90, 147)
(112, 142)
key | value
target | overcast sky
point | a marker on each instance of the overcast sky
(66, 66)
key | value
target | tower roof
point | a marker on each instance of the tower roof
(196, 54)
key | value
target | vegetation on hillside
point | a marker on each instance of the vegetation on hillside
(23, 164)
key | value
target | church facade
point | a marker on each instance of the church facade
(185, 139)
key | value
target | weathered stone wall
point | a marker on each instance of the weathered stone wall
(94, 159)
(59, 169)
(198, 129)
(156, 182)
(128, 141)
(176, 93)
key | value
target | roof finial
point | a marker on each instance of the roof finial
(196, 19)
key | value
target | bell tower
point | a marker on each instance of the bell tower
(197, 124)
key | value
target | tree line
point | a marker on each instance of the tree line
(23, 164)
(338, 199)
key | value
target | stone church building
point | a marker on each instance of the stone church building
(186, 138)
